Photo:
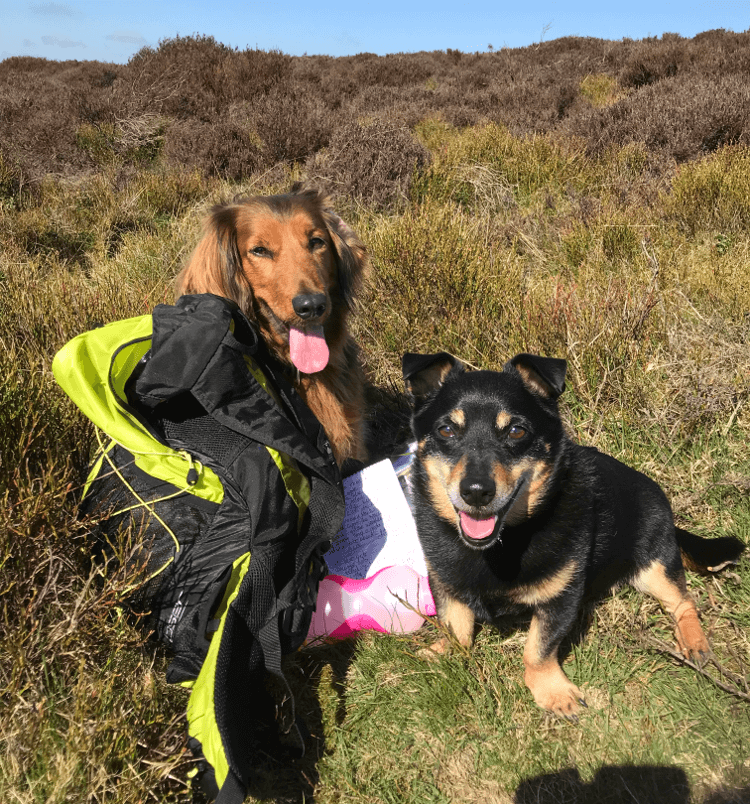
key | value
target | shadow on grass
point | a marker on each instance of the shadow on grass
(635, 784)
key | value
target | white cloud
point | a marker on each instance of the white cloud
(53, 9)
(128, 37)
(28, 43)
(55, 41)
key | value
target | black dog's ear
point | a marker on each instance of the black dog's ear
(543, 376)
(424, 374)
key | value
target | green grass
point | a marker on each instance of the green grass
(506, 244)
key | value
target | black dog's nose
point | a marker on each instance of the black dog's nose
(477, 491)
(309, 305)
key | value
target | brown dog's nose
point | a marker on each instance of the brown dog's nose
(477, 491)
(309, 305)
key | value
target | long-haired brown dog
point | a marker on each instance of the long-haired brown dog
(293, 267)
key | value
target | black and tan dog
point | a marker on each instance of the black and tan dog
(512, 514)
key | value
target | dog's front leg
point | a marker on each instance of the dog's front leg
(551, 688)
(452, 614)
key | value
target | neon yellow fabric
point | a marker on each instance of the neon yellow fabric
(92, 369)
(296, 484)
(201, 712)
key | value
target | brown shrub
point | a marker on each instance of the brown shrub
(216, 149)
(680, 118)
(195, 76)
(396, 70)
(292, 125)
(652, 60)
(239, 111)
(374, 162)
(42, 104)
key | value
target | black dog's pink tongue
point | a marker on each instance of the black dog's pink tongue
(308, 349)
(477, 528)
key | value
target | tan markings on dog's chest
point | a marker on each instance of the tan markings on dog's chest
(548, 588)
(441, 476)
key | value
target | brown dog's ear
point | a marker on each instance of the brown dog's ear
(215, 266)
(353, 259)
(424, 374)
(543, 376)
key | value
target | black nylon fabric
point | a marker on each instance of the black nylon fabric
(253, 639)
(231, 395)
(232, 791)
(195, 390)
(185, 336)
(196, 351)
(175, 601)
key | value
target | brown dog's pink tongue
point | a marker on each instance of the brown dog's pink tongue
(308, 349)
(477, 528)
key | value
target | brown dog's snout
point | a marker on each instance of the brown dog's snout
(309, 306)
(477, 490)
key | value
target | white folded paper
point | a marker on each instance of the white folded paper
(379, 529)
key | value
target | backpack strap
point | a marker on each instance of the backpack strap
(230, 712)
(232, 791)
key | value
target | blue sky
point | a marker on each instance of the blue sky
(113, 30)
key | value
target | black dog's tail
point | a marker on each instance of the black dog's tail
(708, 555)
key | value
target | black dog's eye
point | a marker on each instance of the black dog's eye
(516, 432)
(446, 431)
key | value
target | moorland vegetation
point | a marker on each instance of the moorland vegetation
(579, 198)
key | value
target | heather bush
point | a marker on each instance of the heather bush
(652, 59)
(373, 162)
(677, 119)
(229, 112)
(42, 105)
(215, 149)
(195, 76)
(291, 125)
(396, 70)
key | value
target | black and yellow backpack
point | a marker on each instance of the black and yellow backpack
(229, 486)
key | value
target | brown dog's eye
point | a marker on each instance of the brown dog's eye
(260, 251)
(446, 431)
(516, 432)
(317, 242)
